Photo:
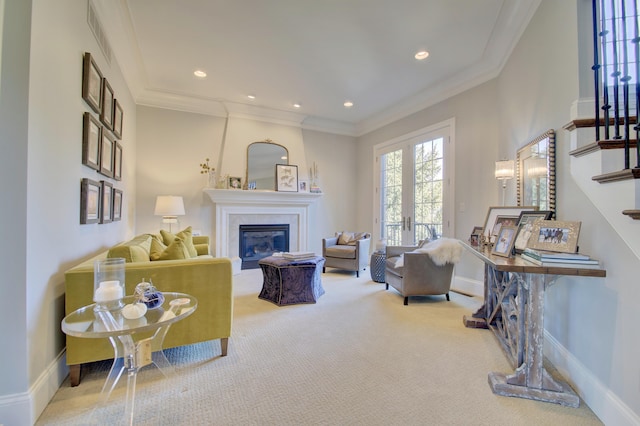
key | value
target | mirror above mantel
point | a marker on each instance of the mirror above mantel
(536, 173)
(262, 158)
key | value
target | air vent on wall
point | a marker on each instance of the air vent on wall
(96, 28)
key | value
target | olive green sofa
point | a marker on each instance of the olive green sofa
(206, 278)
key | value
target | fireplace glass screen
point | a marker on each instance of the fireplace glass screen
(259, 241)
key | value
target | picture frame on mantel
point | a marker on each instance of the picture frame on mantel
(286, 178)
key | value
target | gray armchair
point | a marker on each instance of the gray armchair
(417, 274)
(348, 251)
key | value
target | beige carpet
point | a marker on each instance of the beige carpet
(357, 357)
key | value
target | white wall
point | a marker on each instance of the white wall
(476, 133)
(591, 336)
(590, 318)
(53, 237)
(172, 144)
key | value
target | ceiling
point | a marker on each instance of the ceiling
(318, 53)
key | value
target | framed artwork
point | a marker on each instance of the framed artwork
(106, 205)
(234, 183)
(286, 178)
(90, 192)
(500, 222)
(475, 239)
(525, 226)
(117, 204)
(118, 115)
(117, 161)
(107, 146)
(494, 212)
(91, 136)
(303, 186)
(504, 241)
(106, 115)
(91, 83)
(552, 235)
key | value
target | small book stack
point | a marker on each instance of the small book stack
(560, 260)
(298, 255)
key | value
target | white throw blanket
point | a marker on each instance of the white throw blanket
(441, 251)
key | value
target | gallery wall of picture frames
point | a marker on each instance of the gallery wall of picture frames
(102, 151)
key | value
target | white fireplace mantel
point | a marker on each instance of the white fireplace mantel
(234, 207)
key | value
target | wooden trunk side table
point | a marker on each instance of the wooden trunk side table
(513, 310)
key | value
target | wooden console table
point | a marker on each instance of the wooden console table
(514, 310)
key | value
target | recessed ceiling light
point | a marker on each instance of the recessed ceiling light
(200, 73)
(296, 105)
(251, 96)
(423, 54)
(348, 104)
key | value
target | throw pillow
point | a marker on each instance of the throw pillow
(186, 235)
(345, 238)
(357, 236)
(157, 248)
(176, 250)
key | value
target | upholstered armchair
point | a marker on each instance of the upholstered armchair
(347, 250)
(422, 271)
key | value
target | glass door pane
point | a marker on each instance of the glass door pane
(391, 214)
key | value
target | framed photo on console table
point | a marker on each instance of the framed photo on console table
(494, 212)
(504, 241)
(554, 235)
(525, 226)
(286, 178)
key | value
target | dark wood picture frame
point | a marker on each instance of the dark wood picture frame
(90, 199)
(118, 116)
(107, 149)
(91, 83)
(117, 161)
(525, 226)
(117, 205)
(106, 206)
(286, 178)
(106, 115)
(91, 140)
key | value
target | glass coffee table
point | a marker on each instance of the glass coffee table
(136, 342)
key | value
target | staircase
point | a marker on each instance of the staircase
(598, 169)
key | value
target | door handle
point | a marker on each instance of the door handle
(404, 223)
(408, 223)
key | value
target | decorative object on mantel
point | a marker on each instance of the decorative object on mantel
(286, 178)
(206, 169)
(313, 175)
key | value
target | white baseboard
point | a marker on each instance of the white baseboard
(467, 286)
(602, 401)
(25, 408)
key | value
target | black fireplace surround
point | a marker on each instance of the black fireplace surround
(259, 241)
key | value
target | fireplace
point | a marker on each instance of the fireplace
(259, 241)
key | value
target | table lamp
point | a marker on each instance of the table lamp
(169, 207)
(505, 170)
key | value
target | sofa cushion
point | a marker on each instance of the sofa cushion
(134, 250)
(157, 247)
(341, 251)
(176, 250)
(351, 238)
(186, 235)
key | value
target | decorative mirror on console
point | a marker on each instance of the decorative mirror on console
(536, 172)
(262, 158)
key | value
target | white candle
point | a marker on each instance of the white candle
(108, 291)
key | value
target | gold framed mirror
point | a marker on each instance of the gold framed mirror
(536, 172)
(262, 158)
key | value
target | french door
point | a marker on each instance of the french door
(414, 188)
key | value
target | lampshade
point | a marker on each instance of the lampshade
(169, 206)
(505, 169)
